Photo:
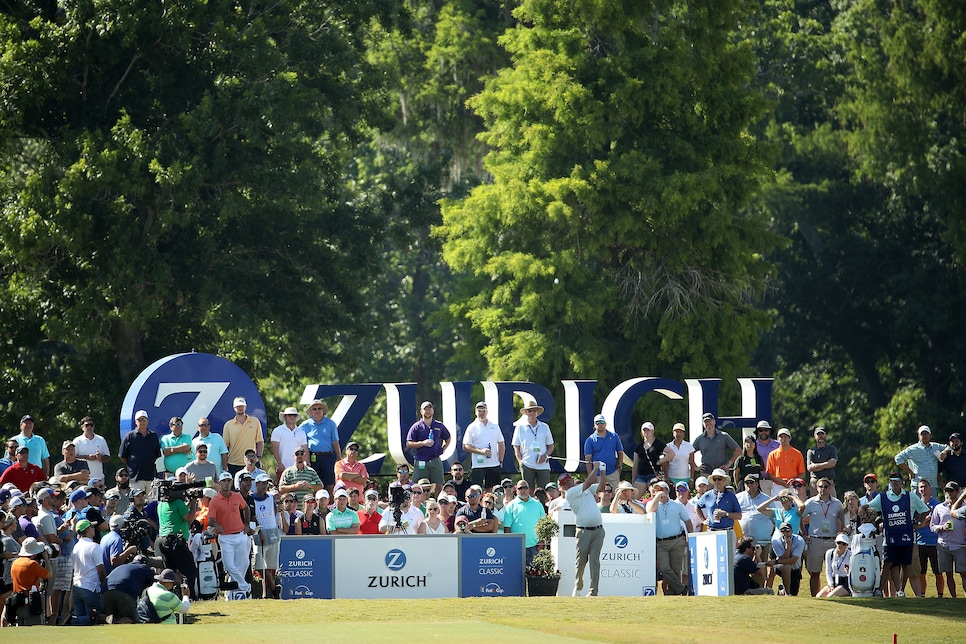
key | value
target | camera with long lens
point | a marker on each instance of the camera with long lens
(171, 490)
(397, 496)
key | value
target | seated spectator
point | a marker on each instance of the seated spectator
(753, 523)
(342, 519)
(605, 496)
(406, 521)
(291, 516)
(837, 569)
(369, 515)
(461, 525)
(786, 558)
(447, 510)
(749, 569)
(312, 523)
(433, 523)
(480, 517)
(625, 500)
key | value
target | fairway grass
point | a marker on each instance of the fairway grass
(524, 620)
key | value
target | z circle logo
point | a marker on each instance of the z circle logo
(491, 551)
(620, 541)
(300, 554)
(395, 559)
(192, 386)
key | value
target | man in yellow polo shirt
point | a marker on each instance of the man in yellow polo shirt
(242, 433)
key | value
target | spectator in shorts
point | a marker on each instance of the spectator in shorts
(268, 539)
(823, 517)
(927, 541)
(837, 569)
(786, 558)
(951, 531)
(903, 512)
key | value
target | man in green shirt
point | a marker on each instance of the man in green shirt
(174, 515)
(166, 603)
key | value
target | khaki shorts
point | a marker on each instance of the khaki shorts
(815, 556)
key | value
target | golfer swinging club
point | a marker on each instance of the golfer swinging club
(590, 529)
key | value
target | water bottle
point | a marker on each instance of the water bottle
(431, 434)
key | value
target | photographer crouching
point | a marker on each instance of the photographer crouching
(25, 607)
(176, 510)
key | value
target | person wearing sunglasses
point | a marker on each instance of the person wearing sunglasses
(217, 450)
(286, 438)
(201, 469)
(300, 479)
(92, 448)
(175, 446)
(351, 471)
(824, 518)
(520, 516)
(251, 468)
(481, 518)
(786, 560)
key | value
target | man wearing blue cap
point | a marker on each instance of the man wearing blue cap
(604, 447)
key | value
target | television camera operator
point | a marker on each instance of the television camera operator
(400, 517)
(178, 503)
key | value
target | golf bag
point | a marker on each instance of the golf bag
(207, 559)
(864, 565)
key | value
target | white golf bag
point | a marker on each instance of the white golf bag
(206, 559)
(864, 565)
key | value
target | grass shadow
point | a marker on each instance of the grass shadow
(946, 608)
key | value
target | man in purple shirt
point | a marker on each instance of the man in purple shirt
(428, 438)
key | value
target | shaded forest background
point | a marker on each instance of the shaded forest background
(483, 189)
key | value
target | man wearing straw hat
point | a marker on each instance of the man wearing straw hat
(533, 445)
(25, 574)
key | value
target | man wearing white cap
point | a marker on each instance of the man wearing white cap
(268, 539)
(605, 447)
(921, 460)
(241, 433)
(140, 450)
(286, 438)
(228, 515)
(484, 441)
(785, 463)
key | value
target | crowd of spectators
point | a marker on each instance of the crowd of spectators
(96, 550)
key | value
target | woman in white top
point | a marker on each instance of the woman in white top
(433, 523)
(837, 569)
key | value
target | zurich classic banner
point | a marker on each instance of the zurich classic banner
(401, 566)
(190, 385)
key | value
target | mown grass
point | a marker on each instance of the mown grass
(751, 620)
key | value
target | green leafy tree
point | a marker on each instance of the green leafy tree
(614, 237)
(172, 176)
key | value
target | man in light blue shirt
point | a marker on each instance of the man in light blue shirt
(39, 455)
(520, 516)
(672, 543)
(217, 450)
(322, 435)
(921, 460)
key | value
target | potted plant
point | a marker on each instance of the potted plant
(542, 574)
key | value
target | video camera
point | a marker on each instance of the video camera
(135, 533)
(397, 496)
(170, 490)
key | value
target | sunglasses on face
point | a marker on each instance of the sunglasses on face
(417, 491)
(353, 449)
(310, 501)
(786, 531)
(472, 496)
(300, 453)
(434, 509)
(87, 424)
(821, 487)
(290, 500)
(203, 424)
(177, 423)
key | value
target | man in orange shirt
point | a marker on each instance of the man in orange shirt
(786, 462)
(229, 516)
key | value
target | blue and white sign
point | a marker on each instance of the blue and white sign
(190, 385)
(492, 565)
(400, 566)
(305, 567)
(712, 562)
